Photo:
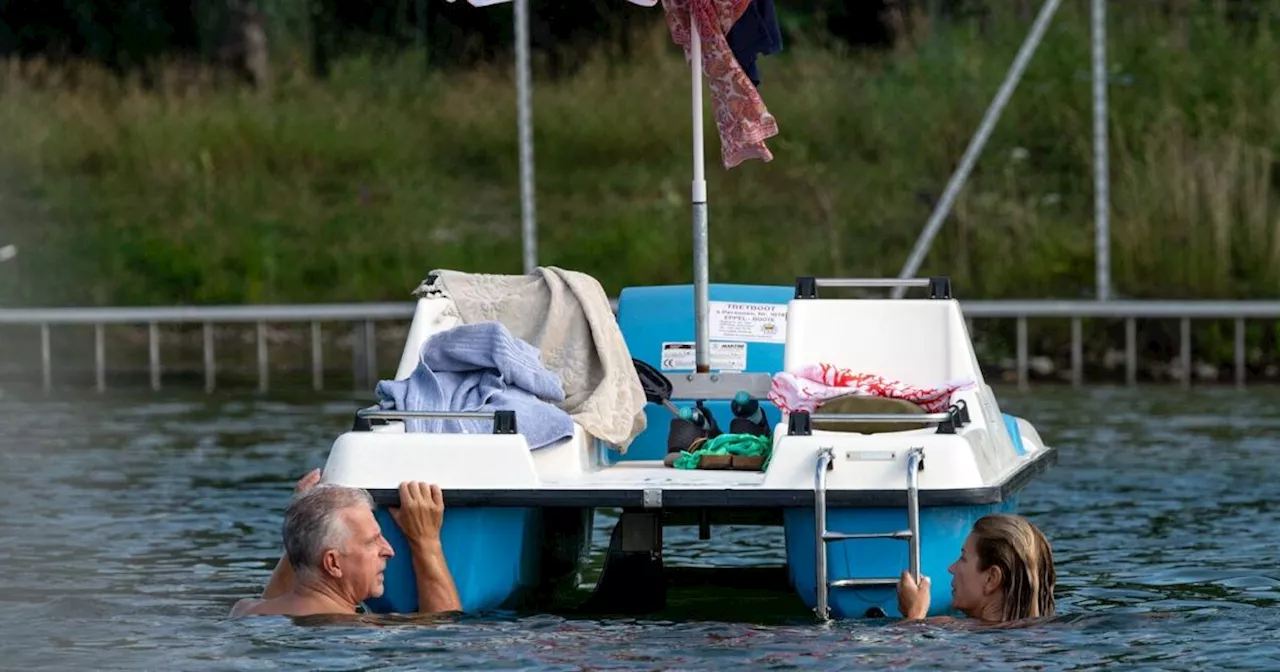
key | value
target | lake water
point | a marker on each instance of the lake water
(132, 523)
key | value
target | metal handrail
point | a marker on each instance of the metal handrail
(898, 418)
(915, 462)
(871, 282)
(820, 530)
(384, 414)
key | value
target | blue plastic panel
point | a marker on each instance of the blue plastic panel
(651, 317)
(492, 554)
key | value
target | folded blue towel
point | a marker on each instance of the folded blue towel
(480, 367)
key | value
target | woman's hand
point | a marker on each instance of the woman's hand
(913, 598)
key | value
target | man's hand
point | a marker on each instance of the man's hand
(307, 482)
(913, 598)
(420, 515)
(421, 512)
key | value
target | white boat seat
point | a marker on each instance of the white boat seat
(919, 341)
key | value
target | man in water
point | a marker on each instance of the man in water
(335, 553)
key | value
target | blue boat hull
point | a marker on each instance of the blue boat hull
(498, 556)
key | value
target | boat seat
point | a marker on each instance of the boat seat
(854, 403)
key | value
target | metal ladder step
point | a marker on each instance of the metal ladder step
(864, 583)
(843, 536)
(826, 461)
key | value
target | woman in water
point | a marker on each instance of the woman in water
(1004, 573)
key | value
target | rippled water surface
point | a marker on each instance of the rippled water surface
(132, 523)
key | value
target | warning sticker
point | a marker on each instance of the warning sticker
(724, 356)
(752, 322)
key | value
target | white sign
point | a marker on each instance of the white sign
(752, 322)
(724, 356)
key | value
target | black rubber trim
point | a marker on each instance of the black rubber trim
(940, 287)
(728, 499)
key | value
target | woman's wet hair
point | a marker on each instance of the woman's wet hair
(1025, 559)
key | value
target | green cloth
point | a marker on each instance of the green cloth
(747, 445)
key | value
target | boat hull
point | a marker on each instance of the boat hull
(500, 557)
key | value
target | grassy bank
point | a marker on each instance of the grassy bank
(352, 189)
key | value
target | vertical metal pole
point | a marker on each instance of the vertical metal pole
(210, 365)
(262, 357)
(1023, 380)
(1130, 351)
(961, 174)
(1186, 352)
(317, 358)
(1077, 353)
(1240, 353)
(819, 532)
(702, 345)
(153, 343)
(914, 460)
(100, 358)
(524, 120)
(370, 353)
(1101, 156)
(46, 358)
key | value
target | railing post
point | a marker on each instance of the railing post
(1186, 352)
(263, 374)
(1240, 353)
(210, 364)
(46, 359)
(370, 353)
(317, 358)
(1130, 351)
(100, 358)
(1077, 353)
(1023, 378)
(153, 345)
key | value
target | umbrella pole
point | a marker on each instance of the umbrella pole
(699, 198)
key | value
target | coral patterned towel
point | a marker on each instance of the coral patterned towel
(741, 117)
(810, 386)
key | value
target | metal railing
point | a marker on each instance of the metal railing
(367, 314)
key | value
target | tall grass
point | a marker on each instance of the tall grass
(356, 187)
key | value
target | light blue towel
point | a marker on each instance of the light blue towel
(480, 367)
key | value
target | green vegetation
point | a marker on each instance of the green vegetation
(352, 189)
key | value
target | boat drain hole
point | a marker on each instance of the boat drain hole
(876, 612)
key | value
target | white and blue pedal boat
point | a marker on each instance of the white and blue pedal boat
(860, 496)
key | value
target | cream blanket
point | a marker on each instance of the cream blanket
(566, 315)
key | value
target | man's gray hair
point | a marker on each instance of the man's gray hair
(313, 523)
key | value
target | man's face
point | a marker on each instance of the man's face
(363, 558)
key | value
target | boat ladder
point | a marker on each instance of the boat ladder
(823, 536)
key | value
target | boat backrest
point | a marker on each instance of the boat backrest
(917, 341)
(429, 317)
(747, 325)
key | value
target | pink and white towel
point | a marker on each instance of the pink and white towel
(808, 387)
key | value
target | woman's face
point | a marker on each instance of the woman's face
(971, 588)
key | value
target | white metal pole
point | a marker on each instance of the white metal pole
(1101, 157)
(979, 140)
(524, 120)
(702, 347)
